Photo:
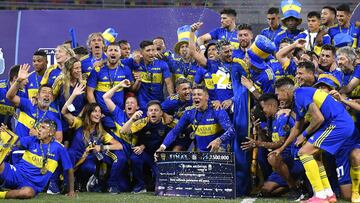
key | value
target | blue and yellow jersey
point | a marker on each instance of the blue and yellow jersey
(208, 125)
(352, 30)
(202, 76)
(50, 75)
(238, 53)
(174, 106)
(103, 79)
(32, 161)
(220, 81)
(152, 81)
(349, 76)
(329, 107)
(30, 116)
(32, 87)
(149, 134)
(224, 34)
(6, 107)
(281, 127)
(280, 70)
(264, 80)
(181, 69)
(87, 62)
(120, 118)
(80, 143)
(271, 34)
(285, 34)
(311, 44)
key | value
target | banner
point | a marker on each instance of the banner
(196, 174)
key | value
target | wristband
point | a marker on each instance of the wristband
(304, 133)
(202, 47)
(252, 89)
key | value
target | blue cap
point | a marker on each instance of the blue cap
(260, 49)
(291, 8)
(342, 40)
(329, 80)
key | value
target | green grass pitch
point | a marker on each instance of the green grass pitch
(136, 198)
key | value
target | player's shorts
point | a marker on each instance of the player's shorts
(342, 158)
(295, 168)
(331, 136)
(12, 179)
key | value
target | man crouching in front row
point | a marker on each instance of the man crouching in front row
(43, 154)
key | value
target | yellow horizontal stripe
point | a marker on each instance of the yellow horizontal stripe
(26, 120)
(258, 51)
(235, 45)
(291, 7)
(37, 161)
(319, 97)
(208, 130)
(106, 86)
(156, 78)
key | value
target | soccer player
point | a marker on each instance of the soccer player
(39, 62)
(284, 166)
(150, 132)
(274, 24)
(160, 49)
(150, 76)
(311, 34)
(96, 44)
(343, 15)
(31, 115)
(92, 145)
(7, 109)
(125, 49)
(43, 154)
(64, 86)
(245, 36)
(286, 59)
(62, 53)
(211, 127)
(305, 74)
(175, 106)
(217, 74)
(327, 62)
(328, 15)
(226, 32)
(184, 66)
(102, 79)
(121, 116)
(330, 128)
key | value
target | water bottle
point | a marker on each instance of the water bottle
(2, 62)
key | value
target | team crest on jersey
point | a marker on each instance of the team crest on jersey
(161, 132)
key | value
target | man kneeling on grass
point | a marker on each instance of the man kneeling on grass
(42, 156)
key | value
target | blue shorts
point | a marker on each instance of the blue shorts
(331, 136)
(12, 179)
(342, 158)
(295, 168)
